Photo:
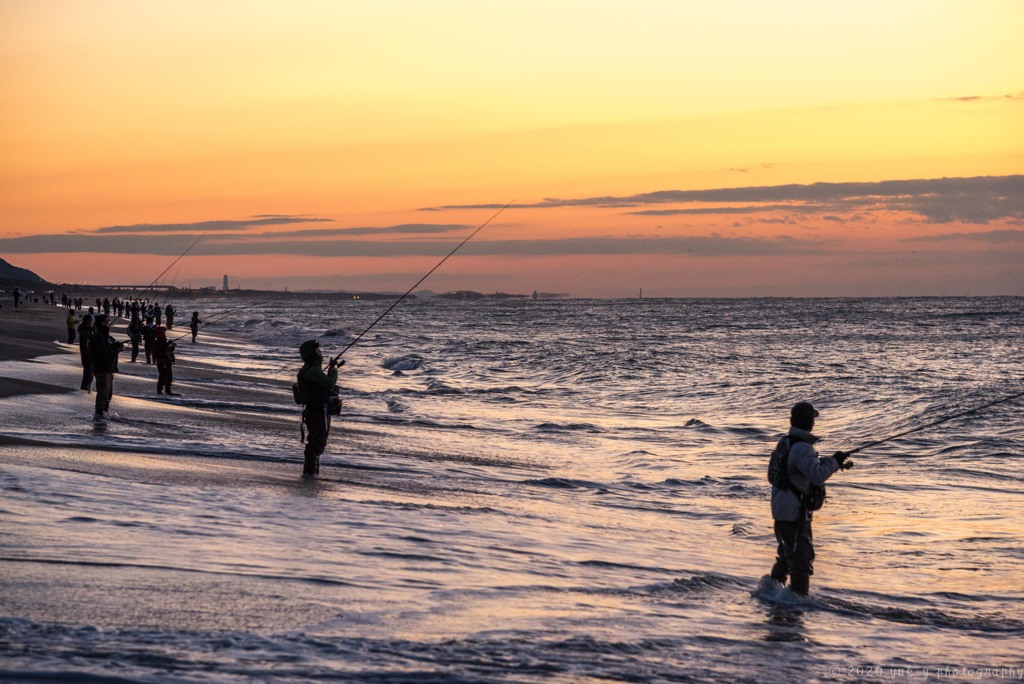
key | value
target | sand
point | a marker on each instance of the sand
(33, 330)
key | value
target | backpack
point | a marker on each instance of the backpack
(299, 393)
(778, 476)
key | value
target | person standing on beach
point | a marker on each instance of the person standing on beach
(169, 312)
(104, 350)
(85, 333)
(147, 339)
(163, 352)
(318, 389)
(17, 298)
(194, 324)
(790, 511)
(135, 335)
(72, 325)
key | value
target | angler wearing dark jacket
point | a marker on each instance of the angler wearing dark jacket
(148, 337)
(135, 335)
(163, 352)
(104, 350)
(318, 388)
(792, 516)
(85, 333)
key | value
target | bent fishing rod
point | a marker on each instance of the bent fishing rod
(171, 265)
(940, 421)
(420, 281)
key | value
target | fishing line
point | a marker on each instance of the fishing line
(172, 286)
(937, 422)
(222, 314)
(169, 267)
(172, 265)
(418, 282)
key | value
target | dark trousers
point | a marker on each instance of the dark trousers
(795, 557)
(164, 376)
(135, 350)
(104, 391)
(71, 335)
(318, 425)
(86, 373)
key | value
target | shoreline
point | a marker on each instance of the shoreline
(27, 333)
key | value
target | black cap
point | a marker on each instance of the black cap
(802, 413)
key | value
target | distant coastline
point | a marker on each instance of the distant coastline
(37, 289)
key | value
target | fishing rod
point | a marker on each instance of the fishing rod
(169, 267)
(946, 419)
(420, 281)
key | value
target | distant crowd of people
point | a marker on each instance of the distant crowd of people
(99, 351)
(141, 309)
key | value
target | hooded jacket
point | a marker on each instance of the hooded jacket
(314, 381)
(805, 468)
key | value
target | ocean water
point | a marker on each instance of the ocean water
(522, 491)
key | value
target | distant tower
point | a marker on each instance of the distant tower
(225, 288)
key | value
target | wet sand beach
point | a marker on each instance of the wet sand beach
(29, 332)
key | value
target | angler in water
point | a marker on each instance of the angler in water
(104, 350)
(798, 477)
(318, 392)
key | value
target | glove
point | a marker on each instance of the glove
(841, 457)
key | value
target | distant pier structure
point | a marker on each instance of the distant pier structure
(225, 288)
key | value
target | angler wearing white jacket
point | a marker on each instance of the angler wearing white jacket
(790, 511)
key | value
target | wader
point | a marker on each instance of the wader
(318, 424)
(795, 555)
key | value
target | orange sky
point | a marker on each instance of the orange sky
(385, 132)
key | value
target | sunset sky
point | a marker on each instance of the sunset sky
(726, 148)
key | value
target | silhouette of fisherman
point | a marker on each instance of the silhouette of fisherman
(135, 335)
(104, 350)
(169, 314)
(194, 325)
(163, 352)
(72, 323)
(85, 333)
(320, 391)
(148, 337)
(792, 516)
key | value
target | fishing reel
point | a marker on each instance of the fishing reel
(843, 458)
